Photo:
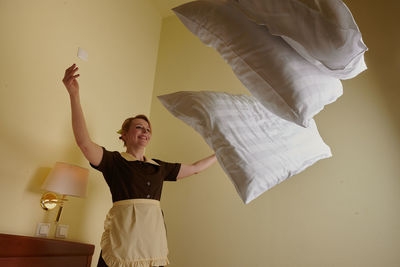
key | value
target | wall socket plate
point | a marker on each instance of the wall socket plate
(62, 231)
(43, 229)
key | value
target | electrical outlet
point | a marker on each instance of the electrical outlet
(62, 231)
(43, 229)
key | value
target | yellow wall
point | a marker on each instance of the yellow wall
(38, 40)
(343, 211)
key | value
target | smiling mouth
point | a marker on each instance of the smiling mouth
(143, 137)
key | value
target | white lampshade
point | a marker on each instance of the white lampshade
(67, 179)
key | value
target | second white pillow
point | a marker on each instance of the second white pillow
(274, 73)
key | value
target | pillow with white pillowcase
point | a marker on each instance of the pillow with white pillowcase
(255, 148)
(273, 72)
(325, 33)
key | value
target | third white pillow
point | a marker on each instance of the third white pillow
(326, 35)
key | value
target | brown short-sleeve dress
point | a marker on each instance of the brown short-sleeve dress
(134, 229)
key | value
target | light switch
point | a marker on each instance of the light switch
(62, 231)
(43, 229)
(83, 54)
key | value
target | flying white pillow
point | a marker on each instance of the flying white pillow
(325, 34)
(255, 148)
(273, 72)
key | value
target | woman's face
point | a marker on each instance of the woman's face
(139, 133)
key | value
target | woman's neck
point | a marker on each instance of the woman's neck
(137, 152)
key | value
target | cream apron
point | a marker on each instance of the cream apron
(134, 234)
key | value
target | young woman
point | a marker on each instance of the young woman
(134, 229)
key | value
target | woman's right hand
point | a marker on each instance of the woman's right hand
(92, 151)
(70, 81)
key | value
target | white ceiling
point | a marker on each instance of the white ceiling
(164, 6)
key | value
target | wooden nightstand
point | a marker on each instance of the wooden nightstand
(23, 251)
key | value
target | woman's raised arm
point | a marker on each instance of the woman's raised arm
(188, 170)
(93, 152)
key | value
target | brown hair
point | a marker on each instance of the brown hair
(127, 123)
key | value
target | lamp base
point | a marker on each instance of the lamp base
(48, 201)
(59, 213)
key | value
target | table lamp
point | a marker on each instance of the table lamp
(66, 180)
